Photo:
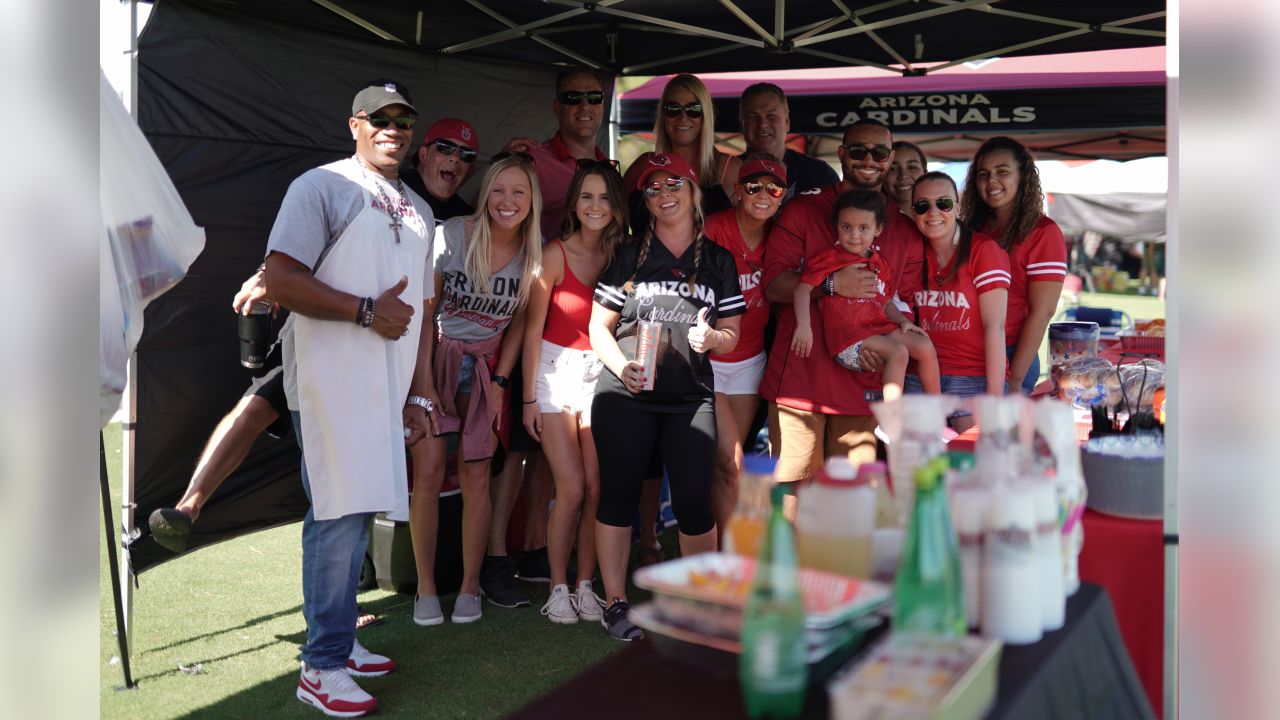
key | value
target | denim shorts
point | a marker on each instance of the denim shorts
(465, 374)
(958, 385)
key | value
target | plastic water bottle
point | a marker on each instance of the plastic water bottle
(928, 593)
(772, 668)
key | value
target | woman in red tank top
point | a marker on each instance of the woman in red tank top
(758, 193)
(560, 373)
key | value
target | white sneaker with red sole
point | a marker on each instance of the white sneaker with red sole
(365, 663)
(334, 693)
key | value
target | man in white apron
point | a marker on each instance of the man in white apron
(350, 256)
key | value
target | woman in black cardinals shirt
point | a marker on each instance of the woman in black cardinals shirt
(676, 276)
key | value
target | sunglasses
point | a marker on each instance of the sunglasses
(945, 205)
(403, 122)
(672, 184)
(447, 147)
(879, 153)
(522, 156)
(574, 97)
(673, 109)
(775, 191)
(589, 164)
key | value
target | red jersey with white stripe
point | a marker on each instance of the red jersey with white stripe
(1040, 257)
(722, 228)
(803, 229)
(948, 311)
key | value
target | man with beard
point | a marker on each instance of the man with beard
(350, 257)
(817, 407)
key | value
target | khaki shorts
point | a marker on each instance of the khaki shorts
(802, 440)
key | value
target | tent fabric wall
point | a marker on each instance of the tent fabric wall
(237, 105)
(1128, 217)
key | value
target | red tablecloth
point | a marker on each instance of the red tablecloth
(1127, 558)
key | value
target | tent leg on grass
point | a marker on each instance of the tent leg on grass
(114, 565)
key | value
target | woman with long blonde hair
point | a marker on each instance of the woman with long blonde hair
(485, 267)
(679, 292)
(685, 126)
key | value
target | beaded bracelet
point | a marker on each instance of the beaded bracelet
(370, 312)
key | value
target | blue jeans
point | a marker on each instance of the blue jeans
(332, 554)
(1033, 371)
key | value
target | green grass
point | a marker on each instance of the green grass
(235, 609)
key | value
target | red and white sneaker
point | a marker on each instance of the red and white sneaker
(363, 663)
(334, 693)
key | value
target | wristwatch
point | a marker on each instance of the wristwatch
(421, 402)
(502, 380)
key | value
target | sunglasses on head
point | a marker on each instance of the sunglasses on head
(672, 184)
(403, 122)
(522, 156)
(943, 204)
(775, 191)
(673, 109)
(447, 147)
(588, 164)
(574, 97)
(879, 153)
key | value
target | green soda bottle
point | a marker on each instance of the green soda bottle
(928, 592)
(772, 668)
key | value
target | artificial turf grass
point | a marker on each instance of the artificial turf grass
(235, 609)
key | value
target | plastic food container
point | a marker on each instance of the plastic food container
(708, 593)
(1071, 340)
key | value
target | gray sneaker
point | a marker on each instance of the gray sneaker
(466, 608)
(426, 610)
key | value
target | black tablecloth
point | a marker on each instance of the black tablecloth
(1080, 671)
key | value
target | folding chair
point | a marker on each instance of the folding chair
(1110, 322)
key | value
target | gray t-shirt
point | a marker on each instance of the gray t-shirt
(316, 210)
(466, 314)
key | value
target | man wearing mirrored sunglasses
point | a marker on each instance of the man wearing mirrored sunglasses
(350, 256)
(819, 408)
(449, 154)
(765, 120)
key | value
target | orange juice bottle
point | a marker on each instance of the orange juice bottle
(746, 527)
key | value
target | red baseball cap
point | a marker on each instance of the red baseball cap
(453, 129)
(753, 169)
(669, 162)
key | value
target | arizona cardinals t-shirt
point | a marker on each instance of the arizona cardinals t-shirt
(948, 308)
(1041, 256)
(723, 229)
(661, 293)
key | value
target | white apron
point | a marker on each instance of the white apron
(352, 382)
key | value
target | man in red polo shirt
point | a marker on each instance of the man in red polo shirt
(818, 408)
(579, 106)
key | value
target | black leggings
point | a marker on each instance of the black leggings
(625, 437)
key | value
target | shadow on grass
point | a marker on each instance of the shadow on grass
(297, 609)
(209, 661)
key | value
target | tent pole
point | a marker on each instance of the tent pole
(615, 119)
(121, 575)
(133, 59)
(121, 635)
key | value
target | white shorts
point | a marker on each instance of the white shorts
(739, 378)
(566, 380)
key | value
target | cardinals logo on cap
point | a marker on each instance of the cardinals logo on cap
(661, 160)
(466, 134)
(389, 87)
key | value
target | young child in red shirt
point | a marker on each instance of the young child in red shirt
(855, 325)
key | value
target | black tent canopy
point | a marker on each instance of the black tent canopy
(238, 97)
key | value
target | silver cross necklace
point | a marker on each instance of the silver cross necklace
(393, 210)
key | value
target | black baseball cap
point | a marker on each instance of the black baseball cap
(379, 95)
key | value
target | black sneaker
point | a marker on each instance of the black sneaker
(533, 566)
(171, 528)
(497, 583)
(617, 622)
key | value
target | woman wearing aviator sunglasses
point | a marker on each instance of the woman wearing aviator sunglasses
(688, 287)
(762, 183)
(961, 299)
(685, 126)
(1002, 198)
